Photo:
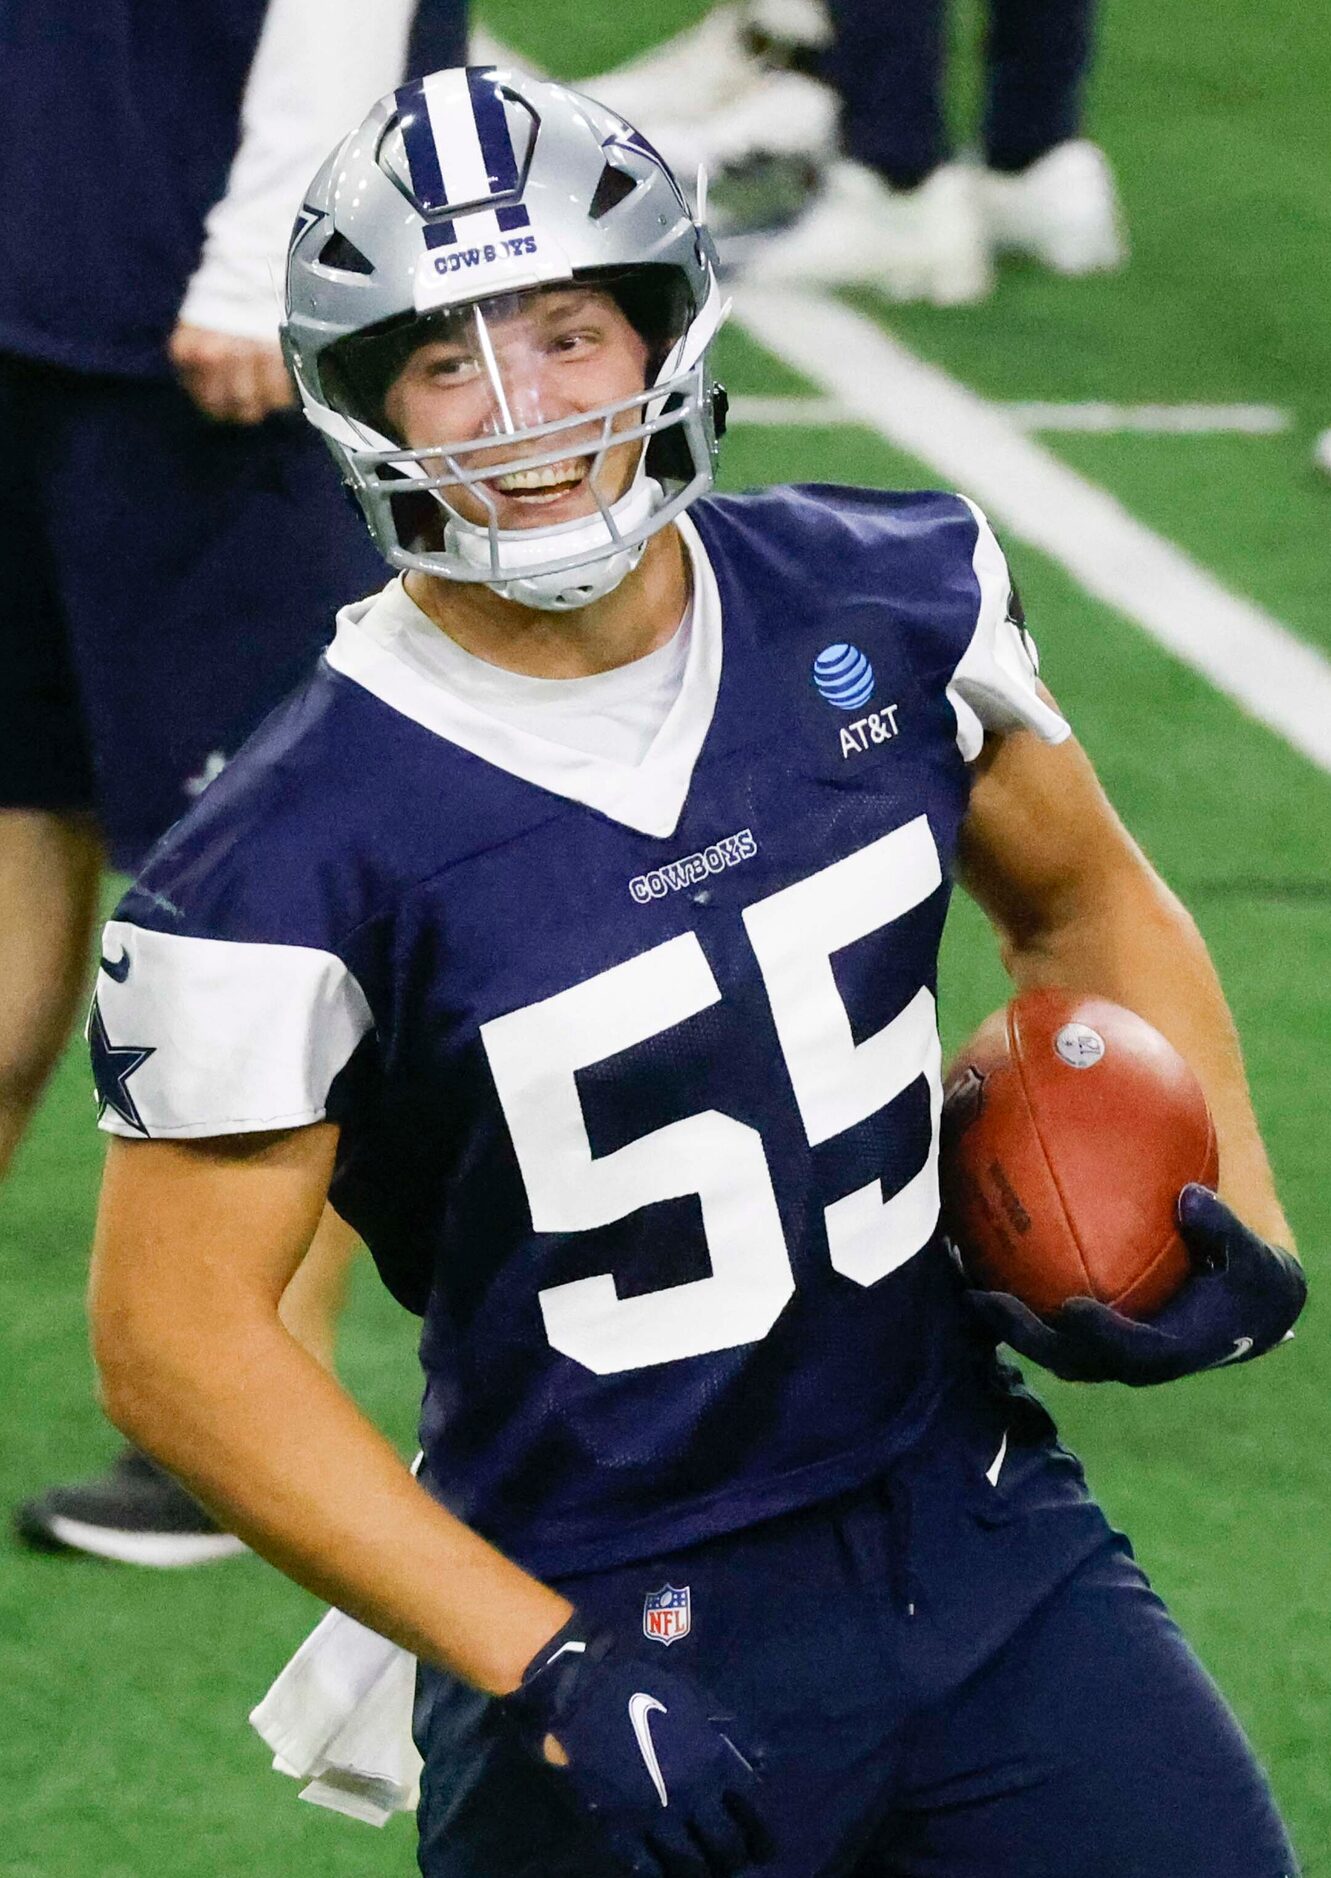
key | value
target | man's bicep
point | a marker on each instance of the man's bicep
(227, 1216)
(1040, 838)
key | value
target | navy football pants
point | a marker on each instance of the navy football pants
(163, 581)
(915, 1715)
(887, 64)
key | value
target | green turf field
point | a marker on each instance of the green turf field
(123, 1746)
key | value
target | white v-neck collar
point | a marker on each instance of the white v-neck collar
(648, 796)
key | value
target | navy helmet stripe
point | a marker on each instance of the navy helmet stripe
(493, 142)
(427, 179)
(492, 129)
(496, 140)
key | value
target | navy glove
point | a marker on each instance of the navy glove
(647, 1754)
(1240, 1302)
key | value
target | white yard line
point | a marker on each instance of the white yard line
(779, 412)
(973, 445)
(1183, 420)
(1170, 420)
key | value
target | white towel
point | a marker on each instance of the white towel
(339, 1718)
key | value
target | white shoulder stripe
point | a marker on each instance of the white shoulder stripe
(993, 685)
(235, 1036)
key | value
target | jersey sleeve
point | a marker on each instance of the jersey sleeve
(198, 1036)
(992, 687)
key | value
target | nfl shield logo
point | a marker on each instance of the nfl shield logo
(666, 1614)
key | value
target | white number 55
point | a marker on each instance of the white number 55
(535, 1053)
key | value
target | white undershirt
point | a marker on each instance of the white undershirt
(614, 714)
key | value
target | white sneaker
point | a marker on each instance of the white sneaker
(783, 115)
(1322, 452)
(912, 244)
(710, 66)
(1063, 211)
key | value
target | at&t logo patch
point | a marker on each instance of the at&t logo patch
(877, 727)
(666, 1614)
(844, 677)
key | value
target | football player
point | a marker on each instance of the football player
(576, 926)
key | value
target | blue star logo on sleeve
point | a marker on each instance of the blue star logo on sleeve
(112, 1067)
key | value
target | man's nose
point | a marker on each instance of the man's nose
(533, 398)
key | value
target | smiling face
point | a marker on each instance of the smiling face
(526, 359)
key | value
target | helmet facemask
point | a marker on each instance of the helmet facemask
(456, 192)
(466, 418)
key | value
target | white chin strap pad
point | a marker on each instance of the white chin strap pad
(568, 587)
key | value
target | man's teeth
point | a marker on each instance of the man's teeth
(548, 476)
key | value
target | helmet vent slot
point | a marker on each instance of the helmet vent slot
(337, 252)
(612, 189)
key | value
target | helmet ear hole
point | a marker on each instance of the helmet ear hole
(668, 458)
(720, 410)
(417, 519)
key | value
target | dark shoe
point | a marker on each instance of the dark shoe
(134, 1512)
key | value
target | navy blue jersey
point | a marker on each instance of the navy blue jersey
(637, 1069)
(118, 124)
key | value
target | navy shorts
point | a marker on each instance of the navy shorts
(163, 580)
(939, 1678)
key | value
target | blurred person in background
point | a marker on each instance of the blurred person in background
(743, 93)
(157, 487)
(752, 93)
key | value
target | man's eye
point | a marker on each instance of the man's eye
(460, 366)
(580, 341)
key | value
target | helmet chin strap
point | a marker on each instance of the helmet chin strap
(566, 588)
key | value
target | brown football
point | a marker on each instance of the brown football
(1069, 1126)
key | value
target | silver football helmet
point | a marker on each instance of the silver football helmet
(461, 200)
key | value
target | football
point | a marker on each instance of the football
(1069, 1127)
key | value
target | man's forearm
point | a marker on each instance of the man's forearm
(1135, 943)
(274, 1446)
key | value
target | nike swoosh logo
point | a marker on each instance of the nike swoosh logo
(640, 1708)
(116, 968)
(1242, 1345)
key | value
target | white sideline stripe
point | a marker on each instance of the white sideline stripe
(1242, 650)
(1182, 420)
(1173, 420)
